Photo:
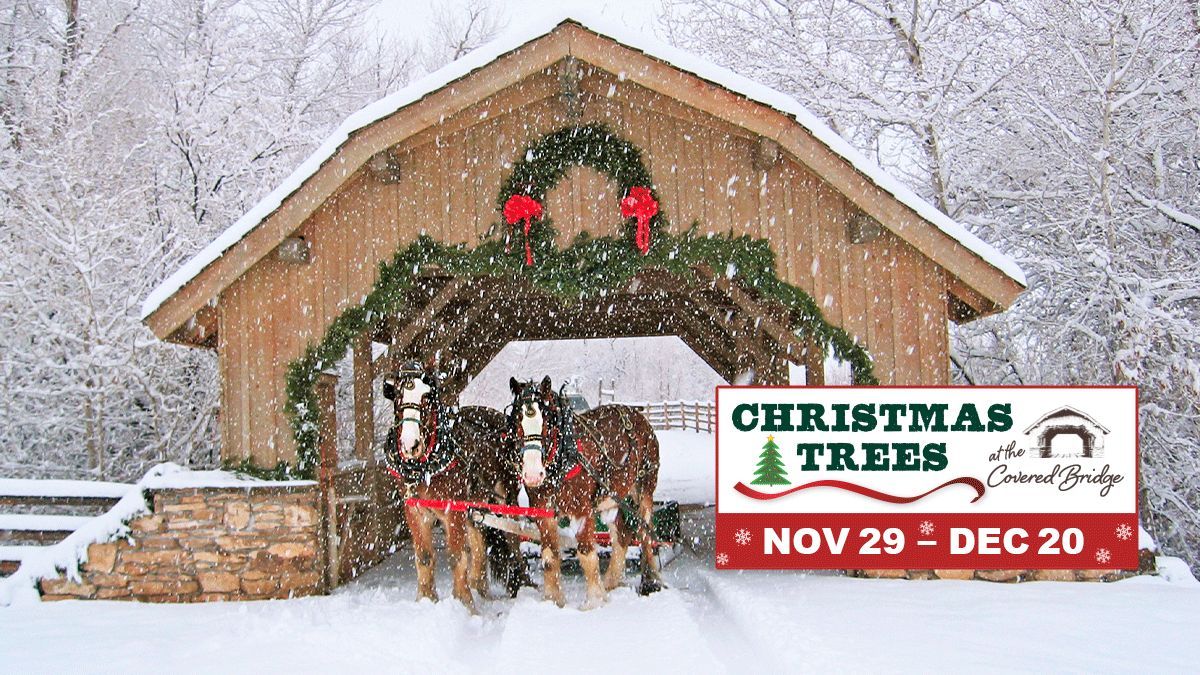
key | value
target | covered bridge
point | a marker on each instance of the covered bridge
(395, 232)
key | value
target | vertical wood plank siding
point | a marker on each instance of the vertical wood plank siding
(888, 295)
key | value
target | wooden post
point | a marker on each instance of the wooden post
(326, 390)
(814, 365)
(364, 403)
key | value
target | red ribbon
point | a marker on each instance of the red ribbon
(526, 208)
(640, 204)
(974, 483)
(461, 505)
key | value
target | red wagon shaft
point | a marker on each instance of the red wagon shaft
(498, 509)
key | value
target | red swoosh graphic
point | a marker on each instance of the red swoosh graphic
(974, 483)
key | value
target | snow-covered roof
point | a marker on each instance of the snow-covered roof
(528, 31)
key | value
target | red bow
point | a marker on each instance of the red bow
(640, 204)
(518, 208)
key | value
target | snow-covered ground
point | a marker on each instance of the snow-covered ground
(707, 621)
(686, 467)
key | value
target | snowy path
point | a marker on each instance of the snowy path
(707, 621)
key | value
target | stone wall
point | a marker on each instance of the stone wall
(209, 544)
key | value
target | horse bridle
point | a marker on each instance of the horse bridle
(529, 396)
(428, 403)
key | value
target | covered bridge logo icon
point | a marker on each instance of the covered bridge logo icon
(1067, 432)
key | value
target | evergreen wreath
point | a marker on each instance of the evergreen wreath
(546, 161)
(585, 269)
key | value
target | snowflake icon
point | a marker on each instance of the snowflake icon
(1124, 532)
(742, 537)
(722, 559)
(926, 528)
(1103, 556)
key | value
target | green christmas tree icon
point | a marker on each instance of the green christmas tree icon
(770, 466)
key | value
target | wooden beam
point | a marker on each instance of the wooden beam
(970, 304)
(767, 154)
(402, 337)
(863, 229)
(814, 364)
(569, 75)
(448, 332)
(326, 391)
(386, 166)
(294, 251)
(199, 331)
(364, 400)
(792, 345)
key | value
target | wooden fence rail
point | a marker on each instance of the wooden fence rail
(693, 415)
(23, 533)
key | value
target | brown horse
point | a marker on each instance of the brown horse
(441, 453)
(602, 461)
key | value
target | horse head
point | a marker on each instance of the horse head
(534, 423)
(413, 391)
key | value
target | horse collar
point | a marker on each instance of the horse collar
(439, 456)
(563, 459)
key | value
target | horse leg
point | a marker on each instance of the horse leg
(614, 576)
(589, 560)
(651, 578)
(456, 530)
(504, 549)
(421, 528)
(551, 561)
(516, 572)
(479, 555)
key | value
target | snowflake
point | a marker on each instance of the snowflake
(926, 528)
(722, 559)
(742, 537)
(1124, 532)
(1103, 556)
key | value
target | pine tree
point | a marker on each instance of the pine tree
(770, 466)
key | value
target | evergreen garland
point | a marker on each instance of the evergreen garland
(582, 270)
(546, 161)
(589, 266)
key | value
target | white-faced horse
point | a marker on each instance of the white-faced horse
(446, 454)
(602, 461)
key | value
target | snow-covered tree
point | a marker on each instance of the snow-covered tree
(130, 133)
(1066, 133)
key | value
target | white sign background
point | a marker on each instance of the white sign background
(967, 453)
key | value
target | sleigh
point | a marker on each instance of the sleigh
(665, 527)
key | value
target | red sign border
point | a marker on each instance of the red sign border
(1137, 445)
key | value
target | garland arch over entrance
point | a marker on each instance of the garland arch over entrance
(546, 162)
(586, 270)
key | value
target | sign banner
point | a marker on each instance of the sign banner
(927, 477)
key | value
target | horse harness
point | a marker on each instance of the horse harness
(441, 455)
(441, 451)
(564, 460)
